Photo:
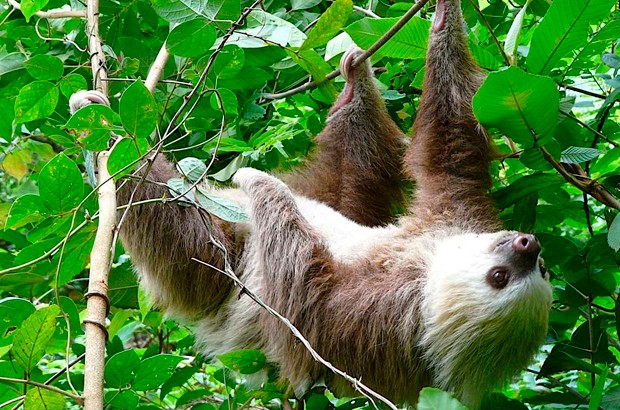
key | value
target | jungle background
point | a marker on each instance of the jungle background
(231, 87)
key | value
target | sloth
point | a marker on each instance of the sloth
(441, 296)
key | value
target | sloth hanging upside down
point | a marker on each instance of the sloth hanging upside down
(440, 297)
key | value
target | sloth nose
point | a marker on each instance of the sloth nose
(526, 244)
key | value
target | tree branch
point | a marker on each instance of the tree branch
(77, 399)
(60, 14)
(98, 303)
(589, 186)
(363, 57)
(157, 69)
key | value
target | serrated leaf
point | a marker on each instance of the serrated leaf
(191, 39)
(410, 41)
(121, 369)
(244, 361)
(26, 209)
(220, 207)
(613, 236)
(434, 399)
(576, 155)
(178, 187)
(45, 67)
(61, 186)
(30, 7)
(35, 101)
(154, 371)
(192, 168)
(522, 106)
(329, 24)
(563, 30)
(43, 399)
(91, 125)
(525, 186)
(138, 110)
(33, 335)
(125, 155)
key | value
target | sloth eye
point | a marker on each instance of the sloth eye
(498, 278)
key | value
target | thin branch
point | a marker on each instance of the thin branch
(369, 13)
(491, 32)
(77, 399)
(589, 186)
(592, 130)
(363, 57)
(60, 14)
(357, 384)
(582, 91)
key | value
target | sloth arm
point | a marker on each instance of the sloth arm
(450, 153)
(318, 294)
(162, 239)
(356, 165)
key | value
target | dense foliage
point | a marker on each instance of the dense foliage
(553, 114)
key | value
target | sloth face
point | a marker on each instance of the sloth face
(487, 275)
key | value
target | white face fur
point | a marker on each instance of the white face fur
(486, 274)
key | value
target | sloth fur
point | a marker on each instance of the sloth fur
(442, 296)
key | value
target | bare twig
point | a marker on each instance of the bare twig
(363, 57)
(77, 399)
(474, 4)
(369, 13)
(582, 91)
(60, 14)
(357, 384)
(589, 186)
(592, 130)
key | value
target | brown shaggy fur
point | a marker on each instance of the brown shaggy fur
(356, 167)
(376, 302)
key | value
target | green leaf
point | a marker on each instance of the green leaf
(226, 102)
(13, 312)
(597, 391)
(30, 7)
(576, 155)
(313, 63)
(125, 156)
(33, 335)
(43, 399)
(178, 11)
(178, 187)
(45, 67)
(611, 60)
(126, 400)
(563, 30)
(91, 125)
(244, 361)
(10, 61)
(220, 207)
(410, 41)
(613, 236)
(138, 110)
(26, 209)
(121, 369)
(192, 168)
(264, 28)
(329, 24)
(511, 44)
(35, 101)
(229, 62)
(61, 186)
(71, 84)
(155, 370)
(435, 399)
(191, 39)
(524, 187)
(522, 106)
